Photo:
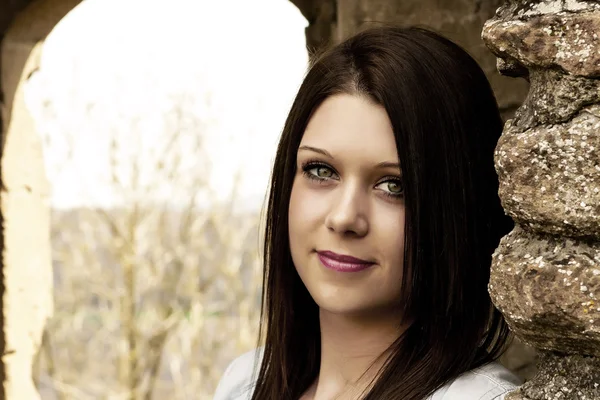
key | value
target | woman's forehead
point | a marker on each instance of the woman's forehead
(351, 124)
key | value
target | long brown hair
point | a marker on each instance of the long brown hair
(446, 124)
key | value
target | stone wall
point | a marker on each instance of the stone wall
(546, 272)
(26, 257)
(8, 10)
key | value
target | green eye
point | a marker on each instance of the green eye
(392, 187)
(323, 172)
(395, 187)
(318, 171)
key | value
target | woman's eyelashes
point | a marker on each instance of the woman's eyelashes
(395, 189)
(318, 171)
(321, 172)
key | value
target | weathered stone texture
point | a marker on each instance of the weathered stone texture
(547, 287)
(562, 377)
(555, 97)
(520, 9)
(564, 41)
(546, 272)
(550, 175)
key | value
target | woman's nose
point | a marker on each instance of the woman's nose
(347, 213)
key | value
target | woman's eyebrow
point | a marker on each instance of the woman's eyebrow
(384, 164)
(316, 150)
(388, 164)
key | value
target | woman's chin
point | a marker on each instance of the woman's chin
(345, 304)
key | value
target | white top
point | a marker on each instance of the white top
(489, 382)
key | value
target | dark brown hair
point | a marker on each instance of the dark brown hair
(446, 124)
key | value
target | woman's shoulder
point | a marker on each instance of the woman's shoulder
(489, 382)
(238, 380)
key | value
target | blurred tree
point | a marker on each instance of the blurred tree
(154, 293)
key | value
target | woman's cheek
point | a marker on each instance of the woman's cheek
(308, 201)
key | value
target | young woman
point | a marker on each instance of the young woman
(382, 218)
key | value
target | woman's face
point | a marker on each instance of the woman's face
(347, 200)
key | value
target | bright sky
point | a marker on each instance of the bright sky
(111, 60)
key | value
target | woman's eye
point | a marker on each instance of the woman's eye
(392, 187)
(321, 172)
(395, 187)
(318, 172)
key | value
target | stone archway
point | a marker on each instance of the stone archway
(26, 267)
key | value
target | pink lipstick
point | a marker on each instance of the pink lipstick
(342, 263)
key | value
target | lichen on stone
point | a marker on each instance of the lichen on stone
(555, 97)
(562, 377)
(546, 288)
(550, 175)
(524, 9)
(564, 41)
(545, 276)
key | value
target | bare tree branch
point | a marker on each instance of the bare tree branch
(161, 287)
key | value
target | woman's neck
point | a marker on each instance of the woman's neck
(353, 349)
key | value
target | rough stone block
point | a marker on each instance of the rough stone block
(548, 289)
(550, 175)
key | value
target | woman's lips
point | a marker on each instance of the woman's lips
(342, 263)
